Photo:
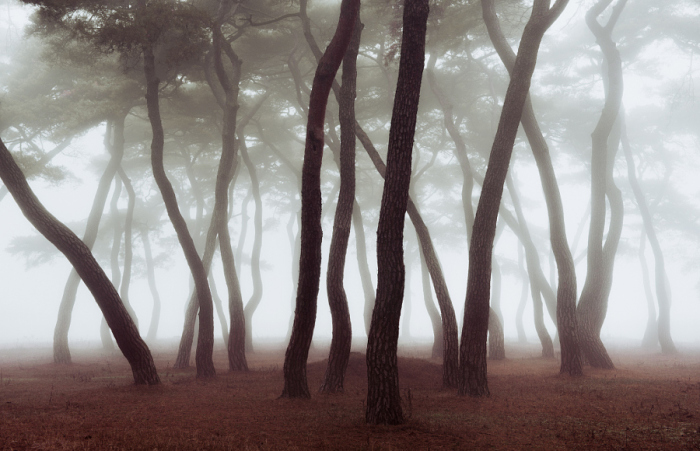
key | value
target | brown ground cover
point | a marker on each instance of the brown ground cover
(649, 402)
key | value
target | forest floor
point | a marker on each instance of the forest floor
(649, 402)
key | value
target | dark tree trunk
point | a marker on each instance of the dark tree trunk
(592, 306)
(566, 291)
(61, 352)
(78, 253)
(472, 379)
(151, 275)
(664, 327)
(205, 342)
(651, 333)
(295, 384)
(342, 328)
(383, 397)
(236, 340)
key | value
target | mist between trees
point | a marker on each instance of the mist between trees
(528, 168)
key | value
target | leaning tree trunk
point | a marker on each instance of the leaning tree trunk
(151, 275)
(383, 397)
(61, 352)
(105, 334)
(341, 341)
(567, 325)
(651, 333)
(472, 379)
(664, 328)
(592, 306)
(205, 342)
(433, 313)
(78, 253)
(295, 384)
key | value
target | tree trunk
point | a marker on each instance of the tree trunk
(363, 265)
(295, 384)
(651, 333)
(151, 275)
(383, 397)
(497, 348)
(664, 323)
(592, 306)
(219, 306)
(566, 292)
(61, 352)
(105, 334)
(78, 253)
(342, 328)
(433, 313)
(205, 342)
(522, 337)
(472, 379)
(128, 244)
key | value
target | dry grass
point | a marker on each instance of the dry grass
(649, 402)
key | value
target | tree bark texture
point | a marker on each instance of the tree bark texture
(339, 353)
(78, 253)
(472, 379)
(61, 351)
(567, 325)
(664, 322)
(295, 383)
(593, 304)
(205, 342)
(383, 397)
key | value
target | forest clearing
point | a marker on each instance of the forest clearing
(650, 401)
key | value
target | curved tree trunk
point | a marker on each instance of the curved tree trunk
(61, 352)
(205, 342)
(128, 244)
(383, 397)
(219, 306)
(433, 313)
(651, 333)
(105, 334)
(341, 341)
(664, 327)
(363, 265)
(592, 306)
(295, 384)
(78, 253)
(566, 293)
(151, 275)
(472, 379)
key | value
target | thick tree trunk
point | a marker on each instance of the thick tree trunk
(151, 275)
(295, 384)
(472, 379)
(205, 342)
(593, 304)
(342, 328)
(383, 397)
(566, 292)
(61, 352)
(664, 323)
(78, 253)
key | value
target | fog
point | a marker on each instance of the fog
(568, 93)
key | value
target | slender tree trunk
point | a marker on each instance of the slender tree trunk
(497, 349)
(472, 379)
(433, 313)
(592, 306)
(295, 384)
(651, 333)
(219, 306)
(664, 328)
(566, 293)
(105, 334)
(383, 397)
(61, 352)
(363, 265)
(522, 337)
(341, 341)
(151, 275)
(128, 244)
(205, 342)
(78, 253)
